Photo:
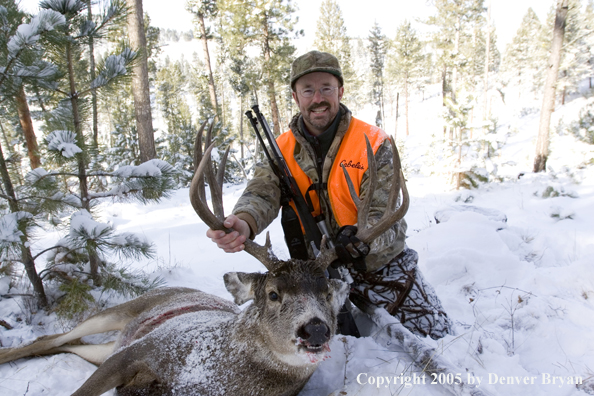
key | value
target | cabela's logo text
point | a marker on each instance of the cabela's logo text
(350, 164)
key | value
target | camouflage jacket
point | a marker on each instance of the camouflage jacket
(260, 202)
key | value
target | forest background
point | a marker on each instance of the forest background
(101, 100)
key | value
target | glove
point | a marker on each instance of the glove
(350, 249)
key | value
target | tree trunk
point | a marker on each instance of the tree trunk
(211, 82)
(444, 84)
(548, 101)
(456, 51)
(459, 175)
(271, 89)
(406, 102)
(93, 75)
(241, 141)
(396, 127)
(26, 256)
(82, 163)
(487, 61)
(140, 82)
(27, 126)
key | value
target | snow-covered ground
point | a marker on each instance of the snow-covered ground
(512, 261)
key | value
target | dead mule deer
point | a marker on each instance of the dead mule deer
(185, 342)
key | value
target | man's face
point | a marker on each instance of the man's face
(318, 110)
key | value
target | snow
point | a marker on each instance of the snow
(511, 262)
(64, 142)
(9, 227)
(28, 33)
(115, 66)
(82, 222)
(149, 168)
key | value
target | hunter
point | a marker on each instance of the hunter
(323, 135)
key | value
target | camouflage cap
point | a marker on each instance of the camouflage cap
(315, 61)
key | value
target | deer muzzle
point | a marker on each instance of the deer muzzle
(314, 335)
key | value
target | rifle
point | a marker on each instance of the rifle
(315, 228)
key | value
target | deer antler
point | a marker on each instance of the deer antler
(392, 215)
(215, 220)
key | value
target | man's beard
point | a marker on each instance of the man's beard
(317, 124)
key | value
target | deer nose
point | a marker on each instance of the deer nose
(315, 332)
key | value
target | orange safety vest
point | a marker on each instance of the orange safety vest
(352, 153)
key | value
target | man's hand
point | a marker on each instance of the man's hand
(233, 241)
(350, 249)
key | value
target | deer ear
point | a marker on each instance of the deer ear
(341, 292)
(241, 285)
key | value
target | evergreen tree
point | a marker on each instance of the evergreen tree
(548, 102)
(406, 61)
(79, 168)
(523, 57)
(332, 37)
(205, 9)
(140, 80)
(589, 26)
(22, 61)
(377, 49)
(266, 25)
(577, 49)
(13, 86)
(171, 97)
(456, 21)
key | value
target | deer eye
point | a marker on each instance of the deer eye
(273, 296)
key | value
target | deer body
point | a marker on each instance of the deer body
(186, 342)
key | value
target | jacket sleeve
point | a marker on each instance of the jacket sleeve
(390, 243)
(260, 199)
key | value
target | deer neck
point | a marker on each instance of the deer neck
(257, 346)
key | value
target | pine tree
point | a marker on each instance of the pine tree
(377, 49)
(522, 62)
(456, 21)
(122, 145)
(22, 61)
(266, 25)
(548, 101)
(13, 87)
(171, 97)
(589, 40)
(205, 9)
(243, 77)
(79, 166)
(405, 63)
(577, 49)
(140, 84)
(332, 37)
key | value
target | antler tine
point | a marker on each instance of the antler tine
(261, 253)
(198, 157)
(215, 181)
(363, 205)
(391, 215)
(198, 202)
(327, 255)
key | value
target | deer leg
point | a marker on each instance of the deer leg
(92, 353)
(120, 370)
(104, 321)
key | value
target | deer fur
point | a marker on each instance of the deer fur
(185, 342)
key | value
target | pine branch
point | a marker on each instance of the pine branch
(45, 251)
